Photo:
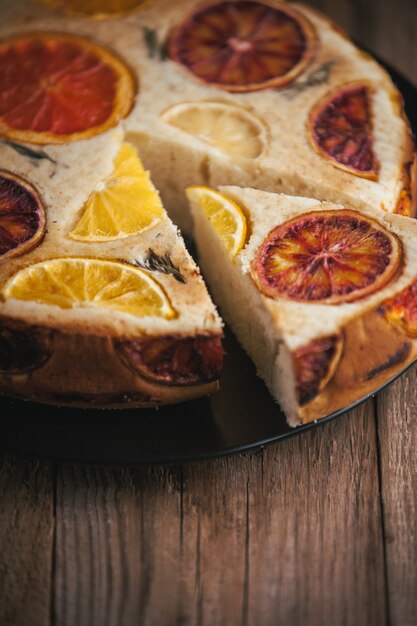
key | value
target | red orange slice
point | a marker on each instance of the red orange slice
(244, 45)
(175, 360)
(22, 216)
(326, 257)
(60, 87)
(314, 365)
(341, 130)
(401, 310)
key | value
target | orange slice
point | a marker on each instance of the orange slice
(224, 216)
(80, 282)
(56, 88)
(341, 130)
(123, 204)
(22, 216)
(314, 366)
(228, 127)
(23, 348)
(326, 257)
(244, 45)
(175, 360)
(401, 310)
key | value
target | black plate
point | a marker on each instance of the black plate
(242, 415)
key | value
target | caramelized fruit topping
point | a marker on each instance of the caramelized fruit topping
(175, 360)
(401, 310)
(341, 130)
(22, 216)
(314, 365)
(326, 257)
(22, 349)
(244, 45)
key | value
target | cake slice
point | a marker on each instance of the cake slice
(322, 297)
(101, 304)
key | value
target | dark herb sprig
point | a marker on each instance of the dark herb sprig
(156, 49)
(318, 77)
(30, 153)
(155, 263)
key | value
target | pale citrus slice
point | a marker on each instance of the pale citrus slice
(123, 204)
(327, 257)
(244, 45)
(228, 127)
(224, 215)
(60, 87)
(82, 282)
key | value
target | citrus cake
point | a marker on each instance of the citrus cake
(265, 94)
(322, 297)
(100, 302)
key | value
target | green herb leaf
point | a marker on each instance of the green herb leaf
(155, 263)
(156, 50)
(318, 77)
(33, 155)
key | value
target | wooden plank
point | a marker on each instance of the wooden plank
(114, 531)
(26, 537)
(316, 552)
(288, 535)
(397, 424)
(386, 27)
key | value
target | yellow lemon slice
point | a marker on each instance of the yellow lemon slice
(228, 127)
(224, 215)
(80, 282)
(122, 205)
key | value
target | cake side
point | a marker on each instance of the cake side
(315, 358)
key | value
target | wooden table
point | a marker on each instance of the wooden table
(318, 530)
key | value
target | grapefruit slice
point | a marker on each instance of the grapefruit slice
(228, 127)
(56, 88)
(340, 129)
(124, 204)
(175, 360)
(314, 366)
(224, 215)
(244, 45)
(22, 216)
(326, 257)
(81, 282)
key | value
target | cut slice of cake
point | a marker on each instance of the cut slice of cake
(105, 307)
(321, 296)
(280, 100)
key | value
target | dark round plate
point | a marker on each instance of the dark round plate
(242, 415)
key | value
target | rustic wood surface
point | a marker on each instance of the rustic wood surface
(318, 530)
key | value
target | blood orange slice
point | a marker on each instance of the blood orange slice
(56, 88)
(401, 310)
(244, 45)
(340, 128)
(22, 216)
(326, 257)
(314, 365)
(23, 348)
(175, 360)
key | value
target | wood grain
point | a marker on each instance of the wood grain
(289, 535)
(26, 536)
(397, 411)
